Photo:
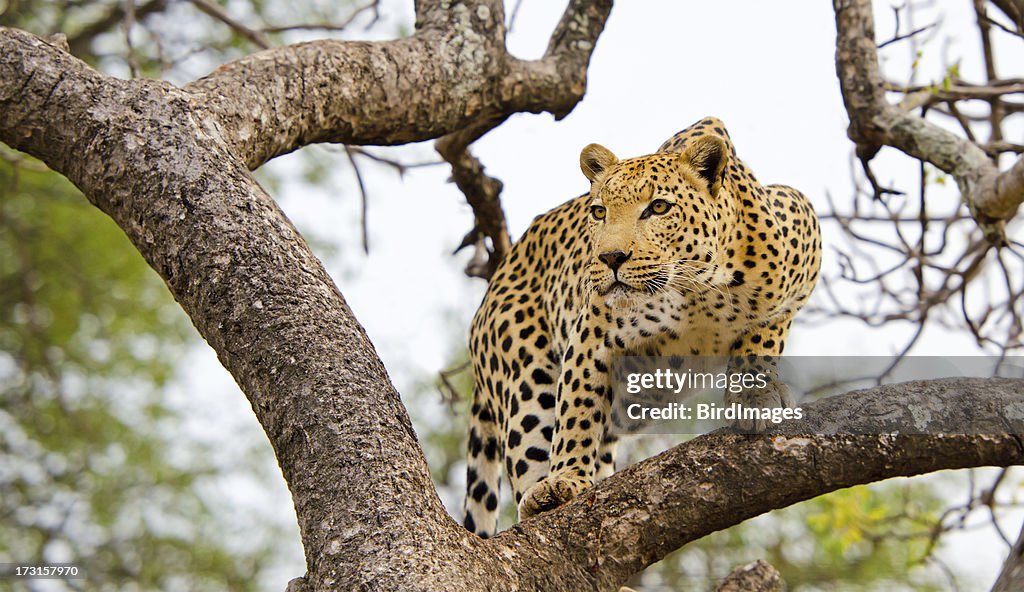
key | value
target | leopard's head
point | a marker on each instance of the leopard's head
(655, 221)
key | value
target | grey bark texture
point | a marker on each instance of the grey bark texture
(171, 167)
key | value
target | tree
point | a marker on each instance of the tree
(171, 166)
(89, 338)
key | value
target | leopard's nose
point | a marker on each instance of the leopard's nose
(614, 259)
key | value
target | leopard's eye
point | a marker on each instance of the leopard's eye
(598, 212)
(656, 208)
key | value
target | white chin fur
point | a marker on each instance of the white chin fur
(620, 297)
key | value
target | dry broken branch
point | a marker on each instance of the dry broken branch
(483, 193)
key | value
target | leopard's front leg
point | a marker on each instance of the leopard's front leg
(582, 405)
(756, 352)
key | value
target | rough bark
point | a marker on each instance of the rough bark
(171, 167)
(656, 506)
(992, 197)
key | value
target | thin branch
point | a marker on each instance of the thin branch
(211, 9)
(373, 5)
(994, 148)
(1014, 10)
(901, 37)
(449, 394)
(399, 166)
(1011, 577)
(515, 14)
(129, 24)
(995, 103)
(81, 41)
(957, 92)
(363, 200)
(1004, 28)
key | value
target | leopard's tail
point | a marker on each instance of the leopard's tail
(483, 474)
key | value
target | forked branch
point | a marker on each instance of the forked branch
(992, 197)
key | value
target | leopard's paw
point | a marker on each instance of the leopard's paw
(774, 395)
(551, 492)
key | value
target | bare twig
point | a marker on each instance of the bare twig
(901, 37)
(211, 9)
(1011, 578)
(399, 166)
(373, 5)
(449, 394)
(80, 42)
(994, 101)
(1014, 10)
(515, 14)
(129, 24)
(363, 200)
(956, 92)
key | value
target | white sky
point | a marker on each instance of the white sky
(765, 68)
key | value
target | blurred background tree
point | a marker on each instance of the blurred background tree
(93, 468)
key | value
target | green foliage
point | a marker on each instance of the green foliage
(88, 339)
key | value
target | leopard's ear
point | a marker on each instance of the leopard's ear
(707, 156)
(594, 159)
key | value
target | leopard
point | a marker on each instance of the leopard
(679, 252)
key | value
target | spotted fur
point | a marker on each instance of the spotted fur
(681, 252)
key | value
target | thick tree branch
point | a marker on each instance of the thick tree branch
(562, 73)
(637, 516)
(451, 73)
(992, 197)
(256, 294)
